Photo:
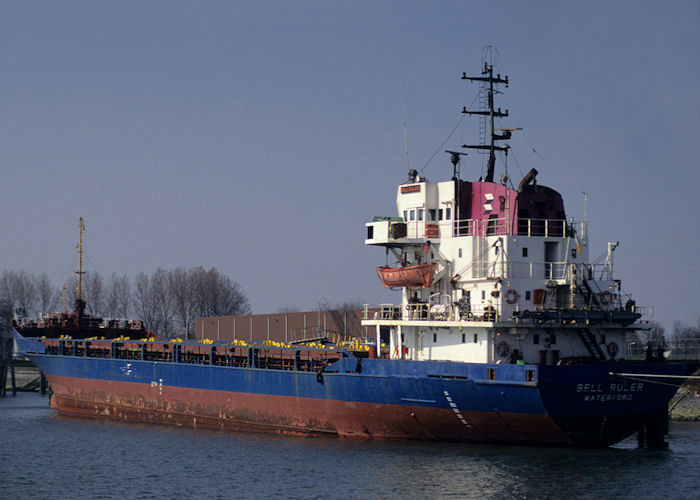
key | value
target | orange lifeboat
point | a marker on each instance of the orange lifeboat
(421, 276)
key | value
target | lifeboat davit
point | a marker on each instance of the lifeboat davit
(421, 276)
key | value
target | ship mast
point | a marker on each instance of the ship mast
(79, 303)
(492, 113)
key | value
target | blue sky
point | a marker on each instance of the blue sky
(258, 137)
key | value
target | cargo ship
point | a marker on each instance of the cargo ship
(506, 332)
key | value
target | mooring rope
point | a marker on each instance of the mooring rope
(638, 377)
(653, 375)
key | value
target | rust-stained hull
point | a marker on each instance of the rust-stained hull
(293, 415)
(318, 391)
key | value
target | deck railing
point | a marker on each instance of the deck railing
(247, 355)
(554, 228)
(478, 312)
(556, 271)
(428, 312)
(677, 350)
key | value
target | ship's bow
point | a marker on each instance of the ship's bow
(600, 405)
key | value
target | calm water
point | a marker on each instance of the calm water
(45, 455)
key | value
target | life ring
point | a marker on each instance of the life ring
(502, 348)
(613, 349)
(605, 297)
(512, 296)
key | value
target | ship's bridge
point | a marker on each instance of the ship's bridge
(482, 250)
(454, 208)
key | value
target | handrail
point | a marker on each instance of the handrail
(554, 228)
(426, 312)
(542, 270)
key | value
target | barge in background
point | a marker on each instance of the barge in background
(78, 324)
(506, 333)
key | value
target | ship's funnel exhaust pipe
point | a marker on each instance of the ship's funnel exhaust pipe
(529, 177)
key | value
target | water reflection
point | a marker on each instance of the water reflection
(49, 455)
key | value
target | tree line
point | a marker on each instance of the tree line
(168, 301)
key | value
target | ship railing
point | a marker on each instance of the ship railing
(554, 271)
(253, 355)
(548, 228)
(684, 349)
(421, 311)
(312, 332)
(647, 314)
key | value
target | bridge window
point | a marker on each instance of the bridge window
(431, 214)
(536, 338)
(476, 338)
(434, 337)
(440, 214)
(464, 338)
(448, 214)
(527, 295)
(420, 214)
(524, 251)
(412, 214)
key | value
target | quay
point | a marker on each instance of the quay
(16, 374)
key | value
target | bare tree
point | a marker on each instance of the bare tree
(180, 283)
(164, 310)
(6, 290)
(144, 304)
(153, 304)
(684, 333)
(70, 287)
(229, 297)
(19, 289)
(217, 294)
(93, 292)
(118, 296)
(46, 294)
(166, 301)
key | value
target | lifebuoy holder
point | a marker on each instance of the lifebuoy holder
(512, 296)
(502, 348)
(613, 349)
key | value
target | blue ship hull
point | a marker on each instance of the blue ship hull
(580, 405)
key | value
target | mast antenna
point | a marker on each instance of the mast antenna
(79, 301)
(491, 57)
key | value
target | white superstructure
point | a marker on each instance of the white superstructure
(511, 276)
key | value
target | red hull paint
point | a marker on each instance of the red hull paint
(293, 415)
